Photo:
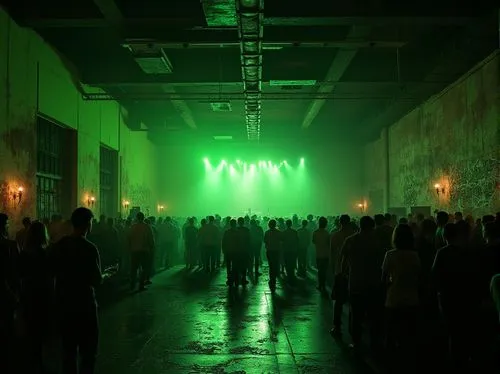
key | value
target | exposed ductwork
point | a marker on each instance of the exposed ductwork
(251, 29)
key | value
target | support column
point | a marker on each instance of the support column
(384, 136)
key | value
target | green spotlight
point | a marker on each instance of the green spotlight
(302, 161)
(205, 160)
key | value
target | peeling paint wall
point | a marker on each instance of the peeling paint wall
(34, 79)
(452, 140)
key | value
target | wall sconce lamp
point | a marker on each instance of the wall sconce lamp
(362, 207)
(17, 196)
(439, 189)
(126, 204)
(160, 208)
(90, 201)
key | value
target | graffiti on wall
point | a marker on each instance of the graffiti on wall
(473, 185)
(141, 196)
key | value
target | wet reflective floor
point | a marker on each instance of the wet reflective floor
(190, 322)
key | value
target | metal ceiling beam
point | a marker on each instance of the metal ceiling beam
(250, 15)
(291, 22)
(110, 11)
(406, 20)
(338, 67)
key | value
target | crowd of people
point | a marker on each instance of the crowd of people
(416, 287)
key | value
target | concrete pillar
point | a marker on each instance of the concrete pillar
(384, 136)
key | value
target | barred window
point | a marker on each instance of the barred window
(108, 182)
(50, 147)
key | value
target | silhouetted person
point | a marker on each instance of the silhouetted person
(442, 219)
(457, 280)
(141, 244)
(290, 249)
(257, 235)
(21, 234)
(362, 258)
(305, 239)
(244, 252)
(9, 294)
(210, 240)
(77, 270)
(36, 293)
(340, 290)
(321, 240)
(273, 242)
(230, 246)
(401, 273)
(191, 243)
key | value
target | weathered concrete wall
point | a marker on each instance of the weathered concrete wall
(34, 79)
(453, 140)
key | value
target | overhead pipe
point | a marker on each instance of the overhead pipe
(250, 14)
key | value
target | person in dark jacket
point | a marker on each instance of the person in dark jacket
(77, 270)
(36, 293)
(9, 292)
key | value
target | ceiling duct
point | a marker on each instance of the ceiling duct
(251, 29)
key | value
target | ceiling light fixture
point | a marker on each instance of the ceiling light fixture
(281, 83)
(223, 137)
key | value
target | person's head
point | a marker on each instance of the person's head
(289, 223)
(203, 222)
(272, 224)
(322, 223)
(387, 218)
(458, 216)
(403, 221)
(36, 237)
(139, 217)
(253, 222)
(305, 223)
(211, 219)
(420, 218)
(169, 219)
(402, 237)
(26, 222)
(488, 218)
(492, 232)
(456, 233)
(81, 219)
(232, 223)
(241, 221)
(442, 218)
(344, 220)
(366, 223)
(379, 219)
(428, 229)
(4, 224)
(111, 222)
(191, 221)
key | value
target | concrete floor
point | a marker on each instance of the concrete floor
(189, 322)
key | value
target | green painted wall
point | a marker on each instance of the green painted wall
(33, 78)
(452, 140)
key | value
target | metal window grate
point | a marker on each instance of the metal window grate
(108, 181)
(50, 143)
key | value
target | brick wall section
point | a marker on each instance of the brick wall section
(452, 139)
(34, 79)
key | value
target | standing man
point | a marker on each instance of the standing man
(77, 269)
(210, 242)
(304, 242)
(273, 240)
(340, 290)
(257, 235)
(141, 244)
(321, 240)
